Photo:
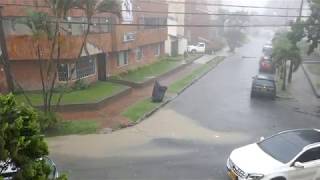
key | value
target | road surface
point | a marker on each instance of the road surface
(190, 138)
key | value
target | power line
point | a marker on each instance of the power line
(186, 3)
(220, 5)
(183, 13)
(155, 26)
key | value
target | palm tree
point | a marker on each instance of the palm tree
(92, 7)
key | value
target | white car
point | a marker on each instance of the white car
(289, 155)
(199, 48)
(9, 171)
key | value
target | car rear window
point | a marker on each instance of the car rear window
(264, 82)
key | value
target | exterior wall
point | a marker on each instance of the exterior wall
(167, 45)
(27, 74)
(148, 57)
(182, 46)
(24, 57)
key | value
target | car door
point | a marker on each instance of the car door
(310, 164)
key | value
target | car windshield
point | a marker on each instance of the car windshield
(285, 146)
(263, 82)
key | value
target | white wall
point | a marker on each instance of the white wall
(183, 43)
(167, 46)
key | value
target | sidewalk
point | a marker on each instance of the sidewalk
(305, 99)
(110, 115)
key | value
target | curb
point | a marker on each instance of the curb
(148, 114)
(145, 116)
(310, 82)
(152, 80)
(91, 106)
(197, 79)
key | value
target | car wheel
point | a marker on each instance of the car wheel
(193, 51)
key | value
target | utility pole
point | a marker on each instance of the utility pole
(5, 58)
(300, 11)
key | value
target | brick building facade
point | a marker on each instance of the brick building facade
(115, 46)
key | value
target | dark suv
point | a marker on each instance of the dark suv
(264, 85)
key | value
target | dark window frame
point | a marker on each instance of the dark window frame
(315, 150)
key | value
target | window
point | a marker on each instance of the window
(139, 53)
(63, 72)
(105, 27)
(123, 58)
(85, 67)
(157, 50)
(95, 27)
(152, 22)
(79, 27)
(310, 155)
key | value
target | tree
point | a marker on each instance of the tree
(313, 28)
(283, 51)
(21, 143)
(4, 58)
(90, 8)
(295, 35)
(235, 36)
(46, 27)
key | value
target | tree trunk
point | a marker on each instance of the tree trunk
(290, 72)
(284, 82)
(5, 57)
(44, 90)
(79, 56)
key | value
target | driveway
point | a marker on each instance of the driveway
(191, 138)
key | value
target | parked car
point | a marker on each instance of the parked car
(11, 170)
(267, 49)
(264, 85)
(288, 155)
(201, 47)
(266, 65)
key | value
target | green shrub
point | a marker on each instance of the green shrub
(48, 120)
(21, 141)
(80, 85)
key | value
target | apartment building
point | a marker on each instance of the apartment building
(115, 45)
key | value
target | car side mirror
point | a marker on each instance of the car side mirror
(298, 165)
(261, 138)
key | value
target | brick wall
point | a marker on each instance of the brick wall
(27, 74)
(147, 58)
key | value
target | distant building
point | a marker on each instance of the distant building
(176, 43)
(200, 9)
(113, 49)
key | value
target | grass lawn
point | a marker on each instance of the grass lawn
(144, 73)
(136, 111)
(94, 93)
(178, 86)
(74, 127)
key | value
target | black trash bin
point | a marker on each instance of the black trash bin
(158, 92)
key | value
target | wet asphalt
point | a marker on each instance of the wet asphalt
(220, 101)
